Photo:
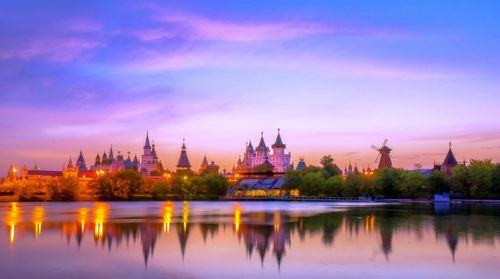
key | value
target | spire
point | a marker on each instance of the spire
(450, 158)
(111, 158)
(262, 144)
(146, 144)
(70, 164)
(153, 152)
(183, 162)
(97, 159)
(105, 160)
(136, 161)
(278, 143)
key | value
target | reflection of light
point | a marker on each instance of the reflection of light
(167, 216)
(83, 217)
(101, 211)
(370, 223)
(277, 220)
(11, 219)
(185, 214)
(38, 213)
(237, 218)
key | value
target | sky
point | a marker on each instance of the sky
(334, 76)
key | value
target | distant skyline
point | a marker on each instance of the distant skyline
(335, 76)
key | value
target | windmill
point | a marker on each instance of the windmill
(383, 158)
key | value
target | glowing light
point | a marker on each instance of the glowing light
(101, 212)
(38, 214)
(83, 212)
(277, 220)
(185, 177)
(12, 218)
(237, 218)
(167, 216)
(185, 215)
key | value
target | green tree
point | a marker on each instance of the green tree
(353, 185)
(460, 180)
(63, 189)
(216, 184)
(329, 167)
(481, 172)
(413, 184)
(496, 181)
(333, 186)
(292, 180)
(387, 181)
(312, 184)
(160, 189)
(438, 183)
(126, 183)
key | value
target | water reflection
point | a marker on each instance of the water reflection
(261, 232)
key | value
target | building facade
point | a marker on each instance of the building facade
(262, 156)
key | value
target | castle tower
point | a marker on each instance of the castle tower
(279, 159)
(70, 170)
(97, 160)
(80, 163)
(262, 149)
(104, 160)
(204, 164)
(111, 157)
(149, 159)
(449, 162)
(183, 163)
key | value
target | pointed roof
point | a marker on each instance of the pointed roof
(450, 160)
(153, 152)
(111, 156)
(278, 143)
(183, 162)
(204, 163)
(261, 142)
(80, 158)
(97, 159)
(104, 160)
(70, 163)
(136, 161)
(146, 144)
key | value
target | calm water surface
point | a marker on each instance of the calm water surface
(248, 240)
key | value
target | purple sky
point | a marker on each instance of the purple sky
(335, 76)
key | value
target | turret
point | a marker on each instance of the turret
(147, 146)
(278, 146)
(204, 164)
(111, 157)
(97, 160)
(183, 163)
(105, 160)
(449, 162)
(80, 163)
(262, 149)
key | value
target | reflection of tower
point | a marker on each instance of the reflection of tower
(452, 240)
(183, 234)
(386, 235)
(206, 229)
(148, 240)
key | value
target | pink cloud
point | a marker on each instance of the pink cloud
(52, 48)
(147, 34)
(207, 29)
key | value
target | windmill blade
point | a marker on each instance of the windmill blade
(374, 147)
(378, 157)
(385, 142)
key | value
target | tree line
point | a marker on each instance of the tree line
(479, 180)
(120, 185)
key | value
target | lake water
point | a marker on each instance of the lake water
(248, 240)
